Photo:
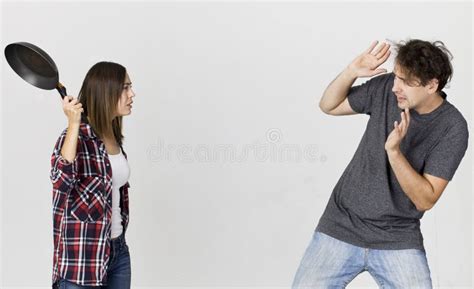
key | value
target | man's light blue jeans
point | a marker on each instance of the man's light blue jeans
(329, 263)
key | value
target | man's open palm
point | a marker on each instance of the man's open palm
(366, 64)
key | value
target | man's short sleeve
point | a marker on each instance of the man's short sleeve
(361, 97)
(443, 160)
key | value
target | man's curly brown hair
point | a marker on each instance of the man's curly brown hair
(424, 61)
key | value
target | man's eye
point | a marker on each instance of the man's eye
(413, 83)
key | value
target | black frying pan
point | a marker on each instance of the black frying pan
(34, 65)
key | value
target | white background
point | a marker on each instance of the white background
(209, 76)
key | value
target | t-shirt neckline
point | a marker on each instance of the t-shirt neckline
(429, 115)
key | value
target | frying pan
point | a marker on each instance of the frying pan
(34, 65)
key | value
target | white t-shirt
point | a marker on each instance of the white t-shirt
(120, 176)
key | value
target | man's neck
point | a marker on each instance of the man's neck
(430, 105)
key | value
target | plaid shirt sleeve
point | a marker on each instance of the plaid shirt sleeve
(63, 173)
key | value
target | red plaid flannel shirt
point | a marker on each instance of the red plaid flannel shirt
(82, 210)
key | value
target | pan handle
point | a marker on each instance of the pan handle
(61, 89)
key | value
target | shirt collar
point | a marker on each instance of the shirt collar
(86, 129)
(87, 132)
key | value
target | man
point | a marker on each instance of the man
(411, 148)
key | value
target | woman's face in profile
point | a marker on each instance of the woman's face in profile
(124, 106)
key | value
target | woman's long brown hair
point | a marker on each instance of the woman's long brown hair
(100, 94)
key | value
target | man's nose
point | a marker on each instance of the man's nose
(396, 87)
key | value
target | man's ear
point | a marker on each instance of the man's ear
(432, 86)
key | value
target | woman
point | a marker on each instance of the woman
(90, 184)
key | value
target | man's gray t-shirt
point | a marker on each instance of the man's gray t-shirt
(367, 207)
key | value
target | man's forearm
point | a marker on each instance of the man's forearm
(337, 90)
(415, 186)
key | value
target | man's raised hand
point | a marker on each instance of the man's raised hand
(366, 64)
